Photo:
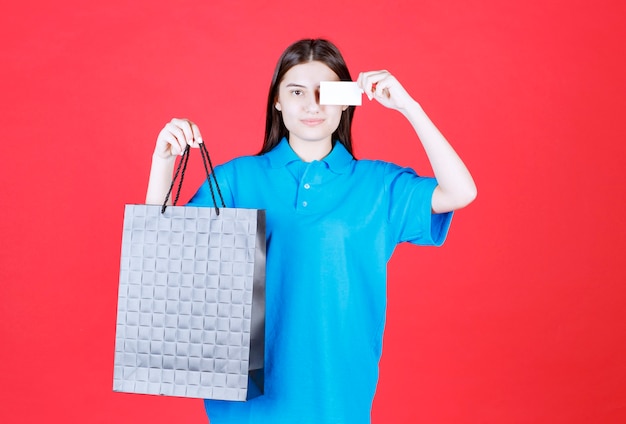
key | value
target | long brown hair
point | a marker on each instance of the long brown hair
(305, 51)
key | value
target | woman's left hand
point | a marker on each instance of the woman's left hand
(385, 88)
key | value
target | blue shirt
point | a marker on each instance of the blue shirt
(332, 226)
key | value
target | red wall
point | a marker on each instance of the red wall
(519, 318)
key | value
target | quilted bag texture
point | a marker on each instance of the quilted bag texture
(191, 302)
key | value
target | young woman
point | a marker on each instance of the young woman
(332, 225)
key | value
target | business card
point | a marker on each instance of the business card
(344, 93)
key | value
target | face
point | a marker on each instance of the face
(298, 102)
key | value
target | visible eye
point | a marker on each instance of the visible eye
(297, 92)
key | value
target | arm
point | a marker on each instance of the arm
(170, 143)
(456, 188)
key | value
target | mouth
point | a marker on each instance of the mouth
(312, 122)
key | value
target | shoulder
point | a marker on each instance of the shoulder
(393, 177)
(380, 168)
(246, 160)
(242, 165)
(230, 176)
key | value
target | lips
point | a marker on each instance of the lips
(312, 122)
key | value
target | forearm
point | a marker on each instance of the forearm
(160, 179)
(456, 187)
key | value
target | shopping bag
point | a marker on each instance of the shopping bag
(191, 299)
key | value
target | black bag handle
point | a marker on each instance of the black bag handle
(182, 163)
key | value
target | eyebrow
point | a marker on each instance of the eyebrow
(293, 84)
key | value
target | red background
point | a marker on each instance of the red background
(519, 318)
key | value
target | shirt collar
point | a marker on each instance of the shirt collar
(337, 160)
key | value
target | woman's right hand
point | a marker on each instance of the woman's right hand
(171, 142)
(175, 136)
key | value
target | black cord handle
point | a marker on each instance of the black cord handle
(182, 167)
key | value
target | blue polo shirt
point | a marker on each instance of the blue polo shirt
(332, 226)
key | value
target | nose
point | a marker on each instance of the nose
(313, 102)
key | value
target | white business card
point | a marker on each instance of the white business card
(344, 93)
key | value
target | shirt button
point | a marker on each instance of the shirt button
(307, 186)
(304, 204)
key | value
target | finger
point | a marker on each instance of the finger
(175, 136)
(370, 80)
(363, 81)
(376, 78)
(382, 87)
(359, 80)
(167, 144)
(191, 132)
(364, 84)
(188, 136)
(197, 137)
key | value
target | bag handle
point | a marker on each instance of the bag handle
(182, 163)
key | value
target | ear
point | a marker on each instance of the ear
(277, 106)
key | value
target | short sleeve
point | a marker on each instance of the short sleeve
(203, 196)
(410, 208)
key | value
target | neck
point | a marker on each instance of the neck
(309, 151)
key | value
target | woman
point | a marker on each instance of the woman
(332, 225)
